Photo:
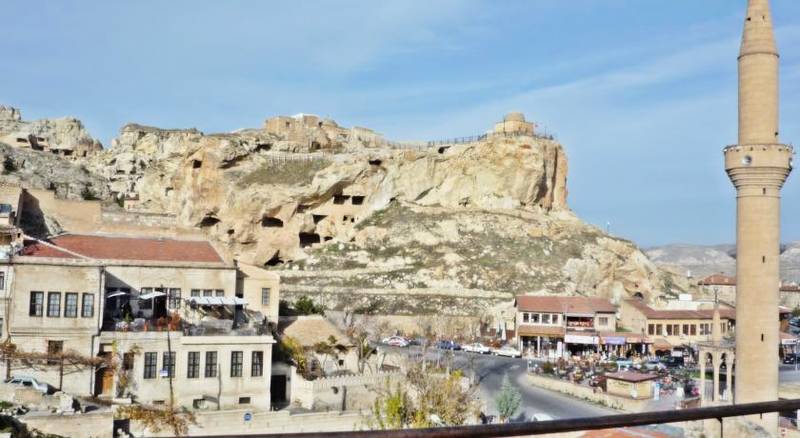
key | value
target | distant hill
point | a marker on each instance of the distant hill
(703, 260)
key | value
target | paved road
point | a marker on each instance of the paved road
(490, 370)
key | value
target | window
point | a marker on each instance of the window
(669, 329)
(195, 292)
(603, 320)
(87, 309)
(150, 365)
(535, 318)
(686, 329)
(54, 304)
(174, 298)
(659, 329)
(265, 297)
(693, 329)
(208, 293)
(168, 364)
(70, 305)
(651, 329)
(257, 365)
(546, 318)
(54, 349)
(220, 293)
(37, 304)
(2, 281)
(145, 304)
(211, 364)
(555, 319)
(525, 317)
(193, 365)
(676, 329)
(244, 400)
(237, 359)
(127, 361)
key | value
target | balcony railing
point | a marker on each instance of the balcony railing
(569, 425)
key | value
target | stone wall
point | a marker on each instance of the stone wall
(354, 392)
(586, 393)
(92, 425)
(233, 422)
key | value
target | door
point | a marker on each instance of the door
(104, 381)
(277, 389)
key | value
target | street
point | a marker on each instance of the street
(489, 371)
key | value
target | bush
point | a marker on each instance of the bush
(548, 368)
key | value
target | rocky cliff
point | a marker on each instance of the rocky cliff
(65, 135)
(356, 221)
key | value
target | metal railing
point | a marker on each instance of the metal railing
(563, 426)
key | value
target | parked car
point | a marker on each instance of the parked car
(674, 361)
(541, 417)
(654, 365)
(29, 382)
(508, 351)
(790, 358)
(447, 345)
(396, 341)
(477, 347)
(624, 364)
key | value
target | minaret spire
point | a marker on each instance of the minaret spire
(758, 77)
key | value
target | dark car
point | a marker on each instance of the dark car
(447, 345)
(673, 361)
(790, 358)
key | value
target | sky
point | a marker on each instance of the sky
(641, 93)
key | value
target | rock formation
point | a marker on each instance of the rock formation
(354, 220)
(65, 136)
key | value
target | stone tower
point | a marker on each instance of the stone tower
(758, 166)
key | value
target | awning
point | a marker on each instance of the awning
(581, 339)
(151, 295)
(661, 344)
(117, 294)
(613, 340)
(218, 301)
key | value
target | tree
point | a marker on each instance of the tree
(331, 348)
(508, 401)
(392, 409)
(305, 306)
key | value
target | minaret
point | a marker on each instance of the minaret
(758, 166)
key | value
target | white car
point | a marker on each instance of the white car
(29, 382)
(541, 417)
(508, 351)
(396, 341)
(476, 347)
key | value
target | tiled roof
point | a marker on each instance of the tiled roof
(530, 303)
(124, 248)
(790, 288)
(651, 313)
(718, 280)
(630, 376)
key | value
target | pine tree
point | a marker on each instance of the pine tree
(508, 401)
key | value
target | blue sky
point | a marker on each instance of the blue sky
(642, 93)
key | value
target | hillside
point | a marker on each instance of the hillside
(354, 220)
(706, 260)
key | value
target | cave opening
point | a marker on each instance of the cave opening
(196, 164)
(275, 260)
(271, 222)
(358, 200)
(209, 221)
(308, 239)
(318, 218)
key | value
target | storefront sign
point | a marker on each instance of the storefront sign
(614, 340)
(580, 339)
(788, 341)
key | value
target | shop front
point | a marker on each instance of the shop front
(541, 342)
(581, 343)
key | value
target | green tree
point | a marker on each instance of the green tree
(508, 401)
(392, 409)
(305, 306)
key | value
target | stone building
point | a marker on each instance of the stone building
(514, 123)
(719, 285)
(167, 309)
(553, 326)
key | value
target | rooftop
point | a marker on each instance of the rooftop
(630, 376)
(718, 280)
(651, 313)
(530, 303)
(309, 330)
(122, 248)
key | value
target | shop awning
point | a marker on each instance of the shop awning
(151, 295)
(584, 339)
(613, 340)
(218, 301)
(788, 339)
(117, 294)
(661, 344)
(538, 330)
